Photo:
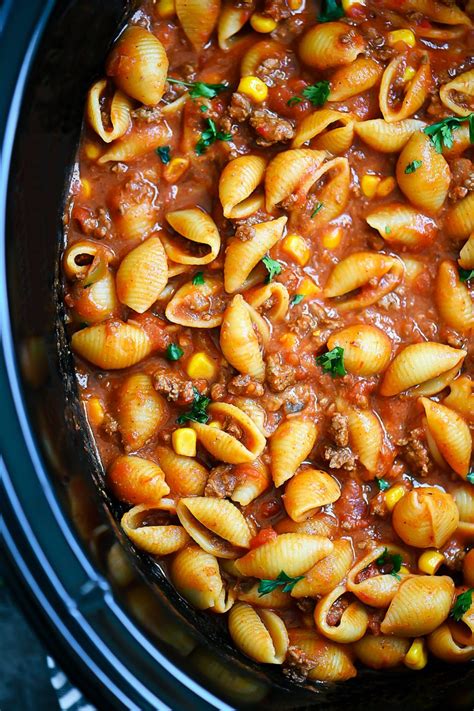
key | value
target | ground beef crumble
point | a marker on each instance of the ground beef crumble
(340, 457)
(270, 128)
(298, 664)
(277, 9)
(245, 232)
(246, 386)
(339, 429)
(240, 107)
(415, 452)
(221, 482)
(174, 388)
(279, 375)
(462, 181)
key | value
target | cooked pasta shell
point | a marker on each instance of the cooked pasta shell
(334, 194)
(367, 349)
(466, 255)
(442, 645)
(417, 364)
(198, 227)
(224, 446)
(119, 569)
(330, 44)
(461, 397)
(254, 410)
(242, 257)
(197, 305)
(438, 11)
(321, 525)
(196, 576)
(275, 600)
(137, 480)
(112, 344)
(144, 138)
(308, 491)
(258, 52)
(415, 91)
(336, 140)
(252, 480)
(198, 19)
(327, 573)
(119, 113)
(273, 297)
(352, 624)
(332, 661)
(425, 517)
(426, 187)
(185, 475)
(431, 594)
(291, 173)
(154, 539)
(238, 181)
(260, 634)
(295, 553)
(139, 65)
(96, 302)
(403, 225)
(451, 435)
(142, 275)
(239, 342)
(140, 411)
(83, 257)
(366, 437)
(359, 271)
(453, 298)
(359, 76)
(215, 524)
(290, 444)
(231, 20)
(376, 590)
(382, 651)
(464, 498)
(387, 137)
(459, 218)
(458, 94)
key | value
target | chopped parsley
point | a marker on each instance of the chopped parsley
(294, 100)
(393, 559)
(164, 154)
(209, 136)
(198, 279)
(465, 274)
(388, 229)
(272, 266)
(174, 352)
(462, 604)
(319, 206)
(330, 10)
(203, 108)
(200, 88)
(470, 477)
(441, 132)
(383, 484)
(414, 165)
(198, 411)
(332, 362)
(296, 299)
(283, 581)
(317, 93)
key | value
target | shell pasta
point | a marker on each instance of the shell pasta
(269, 289)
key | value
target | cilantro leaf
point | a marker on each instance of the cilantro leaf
(174, 352)
(198, 411)
(462, 604)
(395, 560)
(283, 580)
(388, 229)
(470, 477)
(319, 206)
(332, 362)
(296, 299)
(330, 10)
(465, 274)
(441, 132)
(198, 279)
(414, 165)
(164, 154)
(200, 88)
(209, 136)
(383, 484)
(317, 93)
(272, 266)
(294, 100)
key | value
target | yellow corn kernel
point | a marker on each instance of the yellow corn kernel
(217, 425)
(405, 36)
(429, 561)
(308, 287)
(332, 238)
(166, 8)
(349, 4)
(288, 340)
(386, 186)
(262, 23)
(369, 184)
(86, 188)
(254, 88)
(393, 495)
(184, 441)
(95, 411)
(404, 570)
(91, 150)
(295, 4)
(297, 249)
(201, 366)
(417, 656)
(408, 74)
(175, 169)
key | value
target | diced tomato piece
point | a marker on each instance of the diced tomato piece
(264, 536)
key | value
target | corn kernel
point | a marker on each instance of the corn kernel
(347, 5)
(295, 4)
(429, 561)
(394, 494)
(308, 287)
(369, 185)
(288, 340)
(175, 169)
(201, 366)
(332, 238)
(184, 441)
(254, 88)
(86, 188)
(297, 249)
(262, 23)
(166, 8)
(95, 411)
(217, 425)
(417, 657)
(408, 74)
(386, 186)
(404, 570)
(405, 36)
(92, 151)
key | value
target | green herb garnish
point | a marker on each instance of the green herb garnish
(164, 154)
(319, 206)
(294, 100)
(209, 136)
(198, 411)
(414, 165)
(387, 229)
(272, 266)
(330, 10)
(200, 88)
(462, 604)
(174, 352)
(317, 93)
(383, 484)
(441, 132)
(283, 581)
(198, 279)
(393, 559)
(332, 362)
(470, 477)
(296, 299)
(465, 274)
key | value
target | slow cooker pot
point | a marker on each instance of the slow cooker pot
(126, 639)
